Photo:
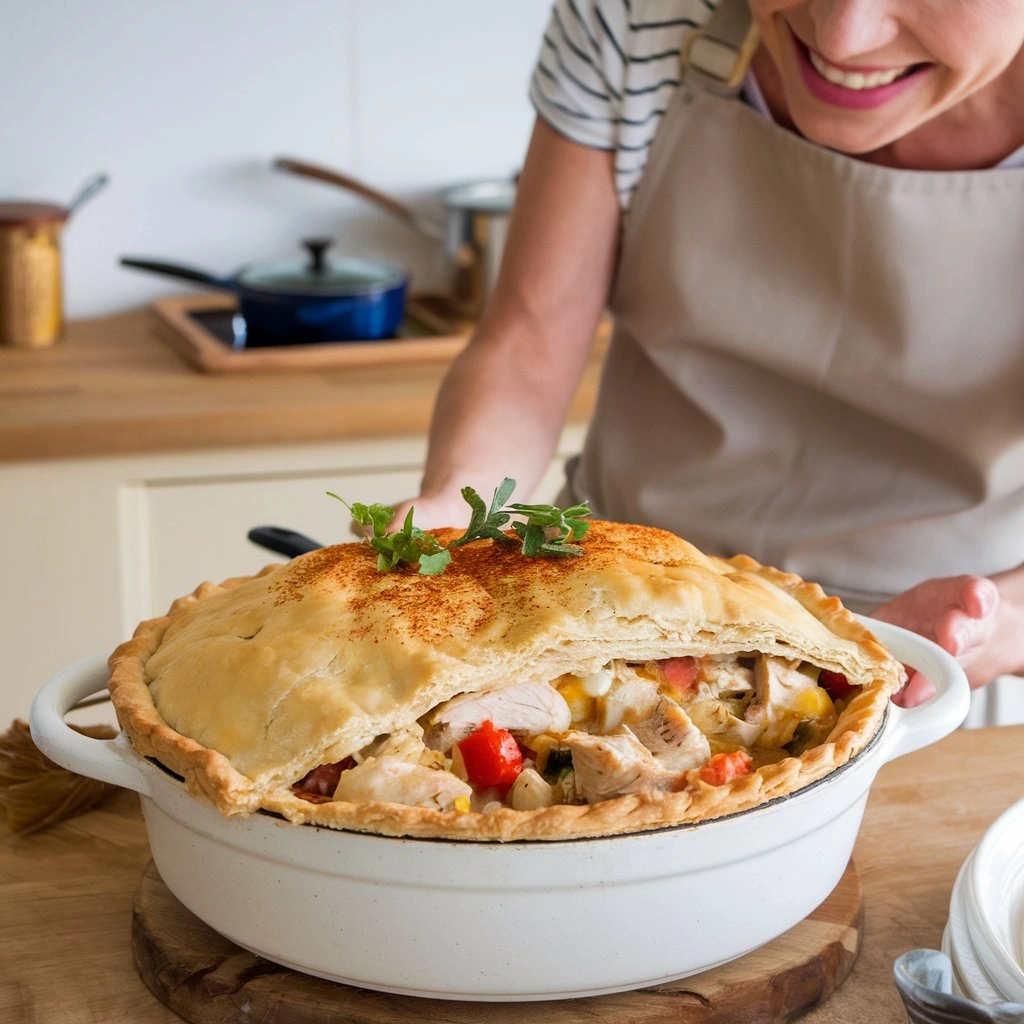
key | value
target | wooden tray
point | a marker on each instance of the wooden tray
(207, 979)
(194, 326)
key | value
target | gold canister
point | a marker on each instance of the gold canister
(31, 293)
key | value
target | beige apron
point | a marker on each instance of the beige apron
(816, 360)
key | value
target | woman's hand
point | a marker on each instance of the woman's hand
(977, 619)
(433, 513)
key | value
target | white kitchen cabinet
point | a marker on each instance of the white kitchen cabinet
(93, 546)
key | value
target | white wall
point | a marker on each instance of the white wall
(185, 103)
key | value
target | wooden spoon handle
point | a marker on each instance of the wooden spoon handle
(350, 184)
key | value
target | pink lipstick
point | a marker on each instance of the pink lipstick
(852, 99)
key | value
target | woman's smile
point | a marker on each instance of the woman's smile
(855, 88)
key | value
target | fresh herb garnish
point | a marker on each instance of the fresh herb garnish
(409, 545)
(548, 529)
(545, 533)
(484, 522)
(545, 530)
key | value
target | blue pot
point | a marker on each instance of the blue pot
(289, 303)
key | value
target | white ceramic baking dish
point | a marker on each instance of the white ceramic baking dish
(516, 921)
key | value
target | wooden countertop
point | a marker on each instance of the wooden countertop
(66, 893)
(113, 386)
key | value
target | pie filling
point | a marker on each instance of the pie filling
(632, 727)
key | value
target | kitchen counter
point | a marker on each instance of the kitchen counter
(112, 386)
(66, 893)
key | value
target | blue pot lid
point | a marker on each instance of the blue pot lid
(319, 276)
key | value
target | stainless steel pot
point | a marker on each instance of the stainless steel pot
(477, 216)
(471, 232)
(513, 921)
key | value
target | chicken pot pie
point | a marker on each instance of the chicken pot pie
(641, 685)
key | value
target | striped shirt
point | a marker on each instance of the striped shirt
(608, 69)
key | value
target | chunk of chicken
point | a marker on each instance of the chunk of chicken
(724, 676)
(526, 708)
(400, 782)
(405, 744)
(783, 698)
(675, 742)
(609, 766)
(631, 698)
(714, 718)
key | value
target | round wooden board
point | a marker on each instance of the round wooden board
(206, 979)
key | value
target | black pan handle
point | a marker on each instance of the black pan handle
(176, 270)
(284, 542)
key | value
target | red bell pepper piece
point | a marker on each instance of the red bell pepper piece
(723, 768)
(834, 684)
(491, 756)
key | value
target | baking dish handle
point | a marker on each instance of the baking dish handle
(910, 729)
(110, 761)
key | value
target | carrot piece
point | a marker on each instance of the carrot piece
(723, 768)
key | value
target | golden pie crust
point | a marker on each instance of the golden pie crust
(244, 687)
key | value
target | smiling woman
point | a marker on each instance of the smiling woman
(935, 84)
(807, 217)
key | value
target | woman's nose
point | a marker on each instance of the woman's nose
(847, 29)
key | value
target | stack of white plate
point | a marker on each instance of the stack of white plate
(984, 937)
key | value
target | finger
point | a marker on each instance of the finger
(917, 691)
(980, 597)
(960, 634)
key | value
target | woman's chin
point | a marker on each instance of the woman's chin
(852, 139)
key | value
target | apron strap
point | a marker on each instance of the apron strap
(716, 56)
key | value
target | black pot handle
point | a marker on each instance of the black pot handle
(177, 270)
(282, 541)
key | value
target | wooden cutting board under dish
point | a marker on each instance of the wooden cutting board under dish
(206, 979)
(199, 328)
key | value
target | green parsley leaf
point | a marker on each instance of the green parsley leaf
(409, 546)
(548, 529)
(545, 531)
(484, 522)
(376, 518)
(432, 565)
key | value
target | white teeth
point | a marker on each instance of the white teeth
(855, 80)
